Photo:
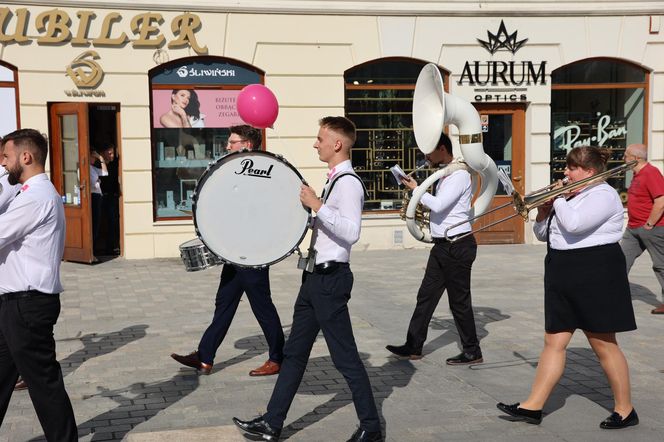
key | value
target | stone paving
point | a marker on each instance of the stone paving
(121, 319)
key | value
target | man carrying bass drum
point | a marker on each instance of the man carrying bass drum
(235, 280)
(585, 287)
(449, 264)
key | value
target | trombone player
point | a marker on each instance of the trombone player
(450, 262)
(585, 286)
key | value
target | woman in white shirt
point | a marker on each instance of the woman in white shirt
(585, 287)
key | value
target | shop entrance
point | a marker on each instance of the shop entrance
(503, 127)
(76, 130)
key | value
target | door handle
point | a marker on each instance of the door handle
(517, 178)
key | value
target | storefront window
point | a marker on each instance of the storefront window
(9, 120)
(193, 103)
(608, 112)
(379, 100)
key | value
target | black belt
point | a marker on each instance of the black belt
(440, 240)
(327, 267)
(17, 295)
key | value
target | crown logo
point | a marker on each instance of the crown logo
(502, 40)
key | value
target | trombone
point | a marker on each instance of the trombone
(524, 204)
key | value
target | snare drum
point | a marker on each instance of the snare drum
(247, 208)
(196, 256)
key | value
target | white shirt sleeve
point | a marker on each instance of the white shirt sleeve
(597, 208)
(448, 193)
(342, 212)
(21, 218)
(539, 229)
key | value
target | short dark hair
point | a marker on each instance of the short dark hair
(342, 125)
(444, 141)
(249, 133)
(29, 139)
(588, 157)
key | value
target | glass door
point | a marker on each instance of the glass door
(503, 130)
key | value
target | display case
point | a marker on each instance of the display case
(182, 155)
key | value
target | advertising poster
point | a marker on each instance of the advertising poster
(196, 108)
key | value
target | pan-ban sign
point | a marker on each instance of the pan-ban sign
(502, 81)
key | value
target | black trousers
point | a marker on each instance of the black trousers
(449, 267)
(322, 304)
(96, 215)
(256, 284)
(27, 346)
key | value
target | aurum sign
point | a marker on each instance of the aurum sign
(502, 81)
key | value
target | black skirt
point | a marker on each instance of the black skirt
(587, 289)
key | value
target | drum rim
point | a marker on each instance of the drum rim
(212, 166)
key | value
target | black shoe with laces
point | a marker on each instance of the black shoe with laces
(361, 435)
(258, 427)
(521, 414)
(464, 358)
(615, 421)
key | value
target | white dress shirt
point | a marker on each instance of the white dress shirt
(8, 191)
(593, 217)
(451, 205)
(32, 239)
(338, 221)
(95, 173)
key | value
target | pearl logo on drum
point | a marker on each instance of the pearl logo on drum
(249, 169)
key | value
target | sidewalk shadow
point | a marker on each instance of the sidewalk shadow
(583, 376)
(644, 294)
(322, 378)
(100, 344)
(136, 404)
(483, 317)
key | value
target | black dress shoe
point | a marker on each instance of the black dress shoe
(258, 427)
(361, 435)
(465, 359)
(615, 421)
(192, 360)
(404, 351)
(521, 414)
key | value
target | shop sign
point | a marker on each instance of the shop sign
(502, 81)
(207, 72)
(567, 137)
(55, 27)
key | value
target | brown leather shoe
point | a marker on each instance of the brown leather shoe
(20, 384)
(192, 360)
(267, 369)
(658, 311)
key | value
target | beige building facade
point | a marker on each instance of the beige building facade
(576, 72)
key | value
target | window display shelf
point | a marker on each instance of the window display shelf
(183, 162)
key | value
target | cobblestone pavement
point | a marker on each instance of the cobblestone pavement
(121, 320)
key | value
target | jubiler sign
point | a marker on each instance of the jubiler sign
(502, 81)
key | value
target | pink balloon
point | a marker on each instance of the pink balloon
(257, 106)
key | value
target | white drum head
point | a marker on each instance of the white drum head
(247, 209)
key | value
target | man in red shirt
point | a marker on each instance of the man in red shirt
(645, 205)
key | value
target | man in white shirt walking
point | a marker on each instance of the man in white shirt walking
(7, 194)
(322, 304)
(449, 264)
(31, 246)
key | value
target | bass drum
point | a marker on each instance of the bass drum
(247, 208)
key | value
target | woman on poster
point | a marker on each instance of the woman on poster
(184, 111)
